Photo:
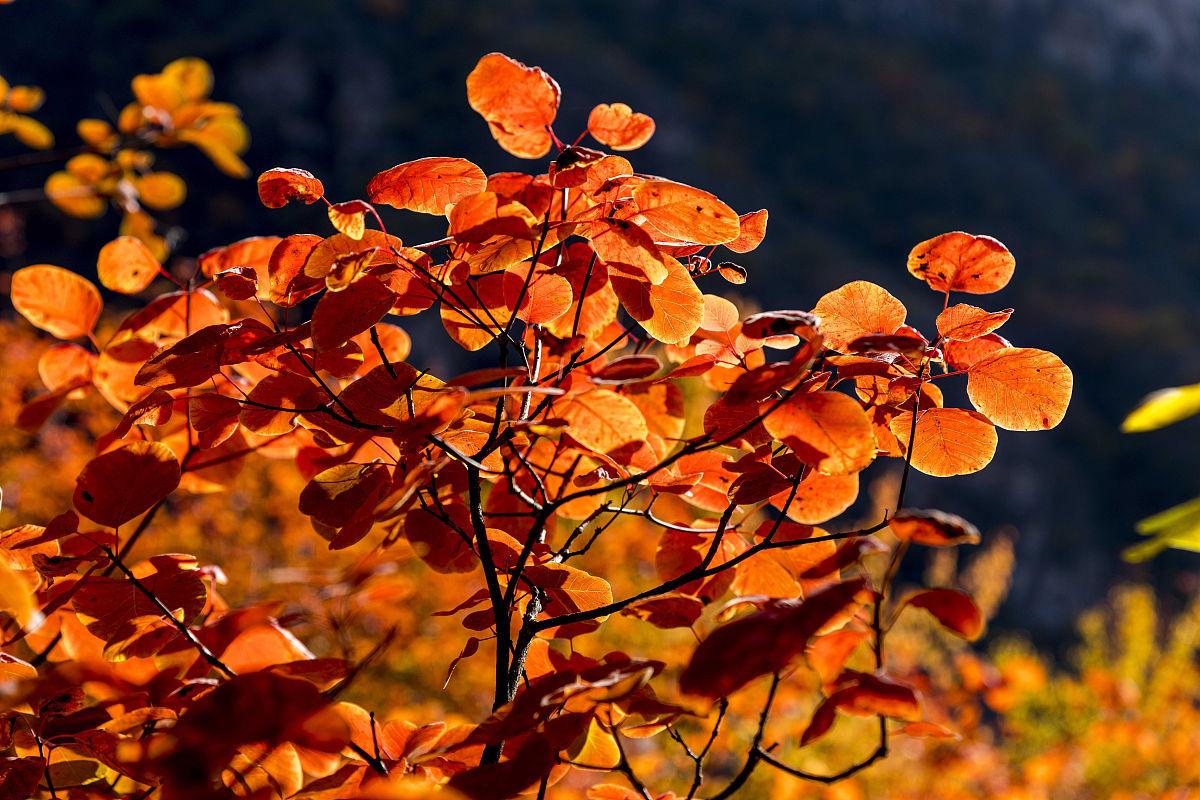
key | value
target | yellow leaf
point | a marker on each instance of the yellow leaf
(1162, 408)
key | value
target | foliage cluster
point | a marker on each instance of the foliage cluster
(640, 463)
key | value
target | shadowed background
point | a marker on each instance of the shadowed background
(1068, 130)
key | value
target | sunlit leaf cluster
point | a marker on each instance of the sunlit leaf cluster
(638, 461)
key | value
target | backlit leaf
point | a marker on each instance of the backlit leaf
(279, 186)
(762, 642)
(1021, 388)
(829, 430)
(669, 311)
(1162, 408)
(962, 262)
(949, 441)
(518, 102)
(685, 213)
(119, 485)
(618, 126)
(752, 229)
(127, 266)
(602, 420)
(955, 610)
(964, 322)
(858, 309)
(933, 528)
(427, 185)
(56, 300)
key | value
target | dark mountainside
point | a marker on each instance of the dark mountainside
(1069, 130)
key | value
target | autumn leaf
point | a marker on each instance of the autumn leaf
(427, 185)
(752, 229)
(478, 217)
(65, 364)
(1021, 388)
(949, 441)
(56, 300)
(127, 266)
(442, 541)
(568, 589)
(955, 610)
(932, 528)
(119, 485)
(618, 126)
(279, 186)
(858, 309)
(340, 316)
(829, 430)
(762, 642)
(602, 420)
(960, 355)
(337, 494)
(965, 322)
(685, 213)
(518, 102)
(863, 695)
(962, 262)
(669, 311)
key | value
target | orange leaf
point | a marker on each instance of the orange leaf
(479, 217)
(349, 218)
(65, 364)
(619, 127)
(820, 497)
(855, 310)
(955, 610)
(826, 429)
(237, 283)
(949, 441)
(671, 610)
(685, 213)
(962, 262)
(569, 589)
(751, 231)
(474, 318)
(961, 355)
(288, 282)
(196, 358)
(427, 185)
(337, 494)
(278, 186)
(627, 248)
(827, 655)
(669, 311)
(546, 298)
(965, 322)
(117, 486)
(1021, 388)
(443, 547)
(56, 300)
(933, 528)
(254, 252)
(602, 420)
(340, 316)
(127, 266)
(518, 102)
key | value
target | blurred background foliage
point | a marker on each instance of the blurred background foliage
(1069, 130)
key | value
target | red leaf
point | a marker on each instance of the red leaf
(763, 642)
